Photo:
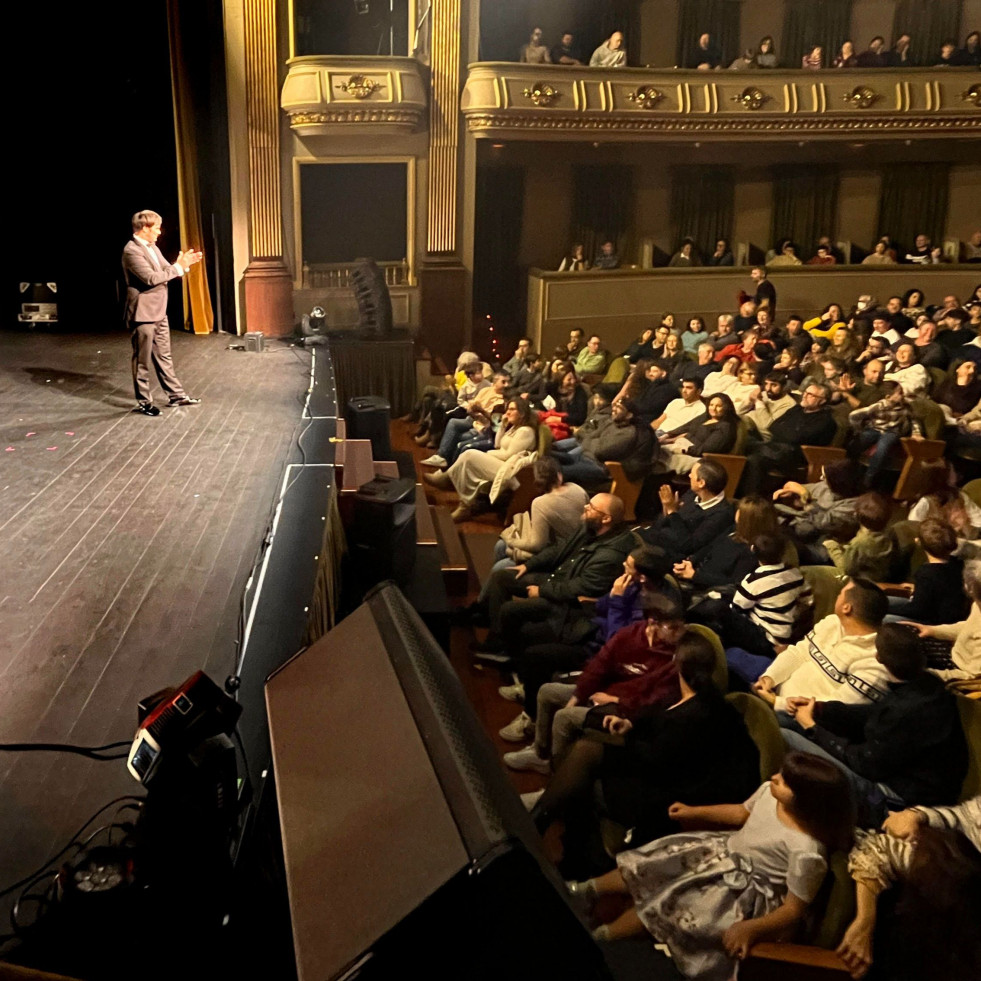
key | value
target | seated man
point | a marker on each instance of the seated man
(565, 52)
(725, 332)
(644, 570)
(703, 514)
(476, 430)
(551, 582)
(808, 424)
(680, 411)
(654, 398)
(634, 669)
(699, 369)
(772, 404)
(621, 437)
(883, 425)
(591, 360)
(836, 660)
(908, 746)
(858, 395)
(610, 54)
(607, 258)
(517, 360)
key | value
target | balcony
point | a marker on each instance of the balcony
(356, 95)
(504, 100)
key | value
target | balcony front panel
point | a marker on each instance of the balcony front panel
(535, 102)
(331, 95)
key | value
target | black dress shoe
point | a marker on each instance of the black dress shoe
(184, 400)
(148, 409)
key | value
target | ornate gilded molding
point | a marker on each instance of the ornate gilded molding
(973, 95)
(645, 96)
(751, 98)
(541, 94)
(861, 97)
(497, 124)
(497, 103)
(382, 95)
(360, 86)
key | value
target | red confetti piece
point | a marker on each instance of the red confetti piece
(69, 434)
(9, 449)
(52, 447)
(32, 434)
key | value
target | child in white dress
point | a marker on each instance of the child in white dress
(710, 895)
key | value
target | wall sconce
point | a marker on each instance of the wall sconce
(861, 97)
(359, 86)
(541, 94)
(645, 97)
(751, 98)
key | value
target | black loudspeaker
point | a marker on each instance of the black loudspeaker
(382, 537)
(367, 417)
(374, 300)
(404, 841)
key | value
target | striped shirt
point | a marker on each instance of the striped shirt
(770, 596)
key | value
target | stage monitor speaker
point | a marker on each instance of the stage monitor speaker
(368, 417)
(382, 536)
(374, 300)
(404, 841)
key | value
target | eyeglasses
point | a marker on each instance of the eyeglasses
(592, 507)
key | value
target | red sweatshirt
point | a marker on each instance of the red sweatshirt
(629, 668)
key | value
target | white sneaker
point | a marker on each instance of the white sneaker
(530, 800)
(513, 693)
(519, 730)
(434, 461)
(527, 759)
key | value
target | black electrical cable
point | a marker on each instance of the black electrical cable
(90, 752)
(41, 869)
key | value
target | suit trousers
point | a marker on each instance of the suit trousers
(151, 345)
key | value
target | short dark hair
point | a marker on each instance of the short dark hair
(144, 218)
(660, 606)
(696, 381)
(777, 377)
(937, 537)
(546, 472)
(469, 369)
(629, 404)
(769, 549)
(695, 659)
(842, 476)
(713, 474)
(869, 602)
(872, 511)
(652, 561)
(900, 651)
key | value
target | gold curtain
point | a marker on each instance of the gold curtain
(198, 310)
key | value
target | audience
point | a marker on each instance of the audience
(592, 359)
(610, 54)
(575, 261)
(607, 258)
(873, 553)
(535, 52)
(566, 52)
(766, 56)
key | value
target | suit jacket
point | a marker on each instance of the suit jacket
(146, 286)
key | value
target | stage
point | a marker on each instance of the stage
(127, 545)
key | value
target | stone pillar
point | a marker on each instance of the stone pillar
(268, 283)
(443, 278)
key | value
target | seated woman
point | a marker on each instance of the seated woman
(825, 509)
(766, 55)
(880, 255)
(724, 562)
(575, 261)
(722, 256)
(788, 363)
(844, 346)
(711, 895)
(914, 304)
(714, 432)
(936, 853)
(475, 470)
(943, 499)
(695, 748)
(960, 392)
(686, 256)
(694, 335)
(828, 323)
(810, 363)
(746, 390)
(673, 356)
(569, 395)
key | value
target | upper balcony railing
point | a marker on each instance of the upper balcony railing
(550, 102)
(335, 94)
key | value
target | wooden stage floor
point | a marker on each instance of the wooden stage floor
(126, 542)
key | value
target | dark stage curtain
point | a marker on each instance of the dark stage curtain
(914, 201)
(602, 208)
(701, 206)
(928, 23)
(720, 18)
(807, 23)
(805, 206)
(497, 239)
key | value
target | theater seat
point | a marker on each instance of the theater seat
(627, 490)
(763, 729)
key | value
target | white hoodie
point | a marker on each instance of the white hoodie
(829, 665)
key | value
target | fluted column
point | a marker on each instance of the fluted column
(443, 278)
(268, 283)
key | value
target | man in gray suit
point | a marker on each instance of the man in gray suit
(147, 274)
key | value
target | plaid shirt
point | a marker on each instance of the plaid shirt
(887, 417)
